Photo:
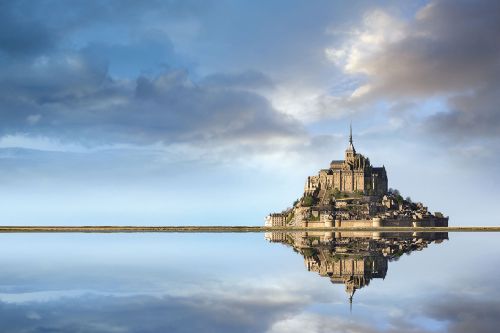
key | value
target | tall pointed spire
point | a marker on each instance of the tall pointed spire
(350, 133)
(350, 152)
(351, 145)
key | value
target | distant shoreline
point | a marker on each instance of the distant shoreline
(215, 229)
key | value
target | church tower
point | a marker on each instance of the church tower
(352, 174)
(350, 152)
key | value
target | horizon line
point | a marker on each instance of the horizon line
(228, 229)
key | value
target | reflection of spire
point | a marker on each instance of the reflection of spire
(350, 299)
(367, 259)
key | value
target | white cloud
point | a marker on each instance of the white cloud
(377, 30)
(38, 143)
(360, 91)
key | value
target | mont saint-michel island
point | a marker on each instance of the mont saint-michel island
(352, 193)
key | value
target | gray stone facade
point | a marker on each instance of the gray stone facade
(353, 174)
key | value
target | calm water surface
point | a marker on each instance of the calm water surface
(249, 283)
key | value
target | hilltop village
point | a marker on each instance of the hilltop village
(353, 193)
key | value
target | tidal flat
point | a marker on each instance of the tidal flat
(249, 282)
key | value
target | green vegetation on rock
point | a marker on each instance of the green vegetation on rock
(308, 201)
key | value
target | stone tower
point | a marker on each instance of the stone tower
(350, 152)
(353, 174)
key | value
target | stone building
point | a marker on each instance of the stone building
(276, 219)
(353, 174)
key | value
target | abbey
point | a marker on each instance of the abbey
(353, 174)
(352, 193)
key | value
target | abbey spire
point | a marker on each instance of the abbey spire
(350, 133)
(350, 152)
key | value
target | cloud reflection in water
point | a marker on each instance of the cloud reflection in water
(265, 301)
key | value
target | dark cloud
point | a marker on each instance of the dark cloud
(450, 47)
(246, 80)
(22, 34)
(72, 97)
(471, 116)
(450, 50)
(185, 110)
(466, 313)
(94, 313)
(28, 28)
(135, 89)
(56, 78)
(114, 72)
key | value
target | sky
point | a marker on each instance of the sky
(214, 112)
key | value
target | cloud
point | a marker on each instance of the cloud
(141, 313)
(176, 73)
(79, 87)
(450, 49)
(452, 312)
(58, 78)
(466, 314)
(231, 311)
(149, 53)
(471, 116)
(22, 34)
(250, 79)
(71, 96)
(179, 109)
(378, 29)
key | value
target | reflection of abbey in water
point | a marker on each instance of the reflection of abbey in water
(353, 193)
(353, 259)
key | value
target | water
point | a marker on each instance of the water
(245, 283)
